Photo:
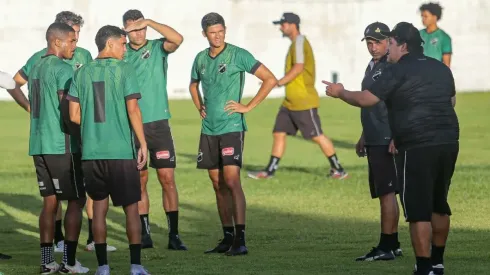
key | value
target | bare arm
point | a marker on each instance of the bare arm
(359, 99)
(196, 97)
(269, 81)
(134, 114)
(291, 74)
(75, 116)
(17, 93)
(173, 38)
(446, 59)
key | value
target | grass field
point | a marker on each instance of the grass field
(300, 222)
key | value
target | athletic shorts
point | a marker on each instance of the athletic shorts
(307, 121)
(215, 152)
(60, 175)
(382, 171)
(160, 144)
(118, 178)
(426, 174)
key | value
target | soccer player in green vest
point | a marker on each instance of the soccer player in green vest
(104, 102)
(81, 57)
(220, 69)
(150, 59)
(56, 154)
(437, 43)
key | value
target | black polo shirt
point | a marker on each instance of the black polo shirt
(374, 119)
(417, 91)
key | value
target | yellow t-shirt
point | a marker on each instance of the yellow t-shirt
(301, 93)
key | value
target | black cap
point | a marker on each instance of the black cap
(375, 31)
(406, 33)
(288, 17)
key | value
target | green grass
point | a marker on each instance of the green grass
(300, 222)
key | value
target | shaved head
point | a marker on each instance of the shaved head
(58, 31)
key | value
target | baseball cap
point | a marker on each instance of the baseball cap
(375, 31)
(405, 32)
(288, 17)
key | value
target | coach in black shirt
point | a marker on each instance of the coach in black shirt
(377, 144)
(419, 93)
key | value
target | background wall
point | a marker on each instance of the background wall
(334, 28)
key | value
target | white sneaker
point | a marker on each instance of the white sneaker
(103, 270)
(91, 247)
(59, 247)
(76, 269)
(50, 268)
(138, 270)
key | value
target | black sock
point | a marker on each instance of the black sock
(90, 234)
(437, 255)
(334, 163)
(69, 252)
(58, 232)
(385, 242)
(395, 244)
(173, 222)
(101, 253)
(239, 234)
(135, 252)
(145, 224)
(423, 265)
(273, 165)
(229, 233)
(47, 253)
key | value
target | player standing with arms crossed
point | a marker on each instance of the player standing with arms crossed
(104, 102)
(149, 58)
(56, 153)
(221, 71)
(438, 43)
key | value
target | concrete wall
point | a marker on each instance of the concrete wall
(334, 28)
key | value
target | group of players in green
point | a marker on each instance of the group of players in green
(118, 105)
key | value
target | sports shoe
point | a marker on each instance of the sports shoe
(91, 247)
(257, 175)
(76, 269)
(138, 270)
(59, 247)
(336, 174)
(223, 246)
(237, 251)
(5, 257)
(174, 243)
(376, 254)
(146, 241)
(103, 270)
(438, 269)
(50, 268)
(398, 252)
(430, 272)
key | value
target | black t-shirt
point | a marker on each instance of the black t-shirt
(374, 119)
(417, 91)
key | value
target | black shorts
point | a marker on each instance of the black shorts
(160, 144)
(426, 174)
(60, 175)
(382, 171)
(118, 178)
(307, 121)
(215, 152)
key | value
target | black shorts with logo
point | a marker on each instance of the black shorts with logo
(382, 171)
(118, 178)
(426, 174)
(60, 175)
(160, 144)
(307, 121)
(215, 152)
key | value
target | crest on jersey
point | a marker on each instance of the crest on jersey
(221, 68)
(376, 75)
(78, 65)
(434, 41)
(202, 70)
(145, 54)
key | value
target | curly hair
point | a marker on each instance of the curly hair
(433, 8)
(69, 18)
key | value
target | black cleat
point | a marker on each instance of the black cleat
(174, 243)
(377, 254)
(5, 257)
(398, 252)
(438, 269)
(237, 251)
(146, 241)
(223, 246)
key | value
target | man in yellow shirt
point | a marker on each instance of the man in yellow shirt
(299, 110)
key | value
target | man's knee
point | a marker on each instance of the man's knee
(50, 204)
(80, 203)
(279, 136)
(166, 177)
(143, 179)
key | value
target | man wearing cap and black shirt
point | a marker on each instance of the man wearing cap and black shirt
(299, 110)
(376, 142)
(419, 93)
